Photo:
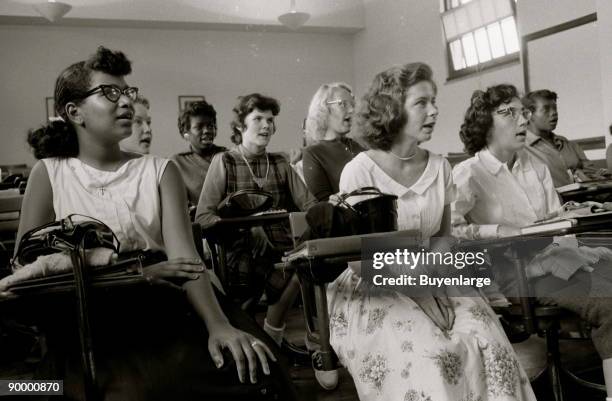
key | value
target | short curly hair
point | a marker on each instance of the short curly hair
(200, 108)
(246, 104)
(529, 100)
(318, 111)
(478, 118)
(381, 115)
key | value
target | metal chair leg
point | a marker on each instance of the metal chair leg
(554, 361)
(85, 334)
(328, 357)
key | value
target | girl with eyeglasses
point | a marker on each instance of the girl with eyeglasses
(398, 344)
(328, 122)
(148, 345)
(502, 188)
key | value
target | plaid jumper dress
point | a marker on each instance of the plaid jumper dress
(239, 255)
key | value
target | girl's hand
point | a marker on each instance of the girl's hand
(507, 231)
(335, 199)
(170, 272)
(245, 348)
(439, 309)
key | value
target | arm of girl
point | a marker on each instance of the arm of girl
(37, 204)
(179, 243)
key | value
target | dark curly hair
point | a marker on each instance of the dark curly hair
(195, 109)
(381, 115)
(529, 100)
(58, 137)
(478, 118)
(245, 105)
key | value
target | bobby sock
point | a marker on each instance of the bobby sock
(275, 332)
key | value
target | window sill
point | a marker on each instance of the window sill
(488, 66)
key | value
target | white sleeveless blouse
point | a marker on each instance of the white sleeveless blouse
(127, 200)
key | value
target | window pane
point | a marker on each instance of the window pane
(488, 11)
(482, 45)
(465, 1)
(510, 35)
(455, 3)
(495, 38)
(469, 48)
(450, 27)
(473, 10)
(463, 23)
(502, 8)
(457, 54)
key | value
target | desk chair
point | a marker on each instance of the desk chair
(10, 209)
(545, 322)
(219, 235)
(316, 316)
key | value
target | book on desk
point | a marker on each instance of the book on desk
(340, 246)
(124, 272)
(568, 221)
(584, 186)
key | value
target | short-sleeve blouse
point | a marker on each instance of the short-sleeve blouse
(421, 206)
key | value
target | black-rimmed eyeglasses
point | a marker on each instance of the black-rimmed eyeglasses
(113, 92)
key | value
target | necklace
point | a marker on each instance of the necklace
(98, 179)
(404, 158)
(260, 181)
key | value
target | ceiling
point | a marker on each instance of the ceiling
(333, 16)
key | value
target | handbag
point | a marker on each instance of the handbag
(73, 234)
(245, 202)
(376, 214)
(63, 235)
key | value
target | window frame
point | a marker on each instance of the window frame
(445, 7)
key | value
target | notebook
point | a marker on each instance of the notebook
(339, 246)
(576, 220)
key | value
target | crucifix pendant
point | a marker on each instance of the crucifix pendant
(260, 181)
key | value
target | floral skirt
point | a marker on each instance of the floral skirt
(395, 352)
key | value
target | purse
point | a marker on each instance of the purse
(63, 235)
(73, 234)
(245, 202)
(376, 214)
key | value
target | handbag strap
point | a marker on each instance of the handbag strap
(358, 192)
(82, 285)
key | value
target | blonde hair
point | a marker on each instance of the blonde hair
(318, 111)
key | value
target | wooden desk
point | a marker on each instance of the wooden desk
(327, 258)
(318, 262)
(590, 190)
(10, 207)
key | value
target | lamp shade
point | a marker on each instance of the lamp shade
(52, 10)
(294, 19)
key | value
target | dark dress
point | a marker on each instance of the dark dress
(150, 345)
(323, 164)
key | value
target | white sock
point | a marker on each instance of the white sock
(276, 333)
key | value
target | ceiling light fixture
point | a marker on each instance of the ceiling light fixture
(52, 10)
(293, 19)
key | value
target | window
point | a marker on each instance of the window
(479, 34)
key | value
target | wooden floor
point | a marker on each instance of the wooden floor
(303, 377)
(577, 356)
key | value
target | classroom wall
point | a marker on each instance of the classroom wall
(604, 25)
(167, 63)
(289, 66)
(398, 32)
